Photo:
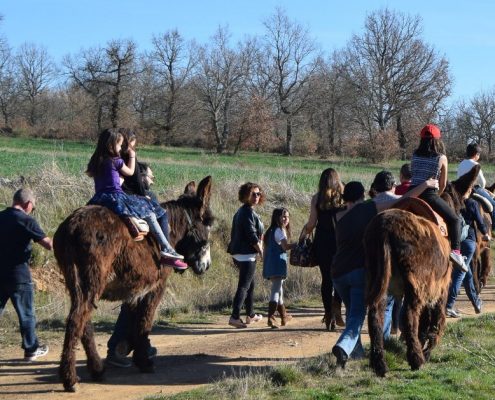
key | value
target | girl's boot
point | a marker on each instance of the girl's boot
(272, 308)
(285, 316)
(336, 307)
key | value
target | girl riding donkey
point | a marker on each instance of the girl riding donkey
(105, 167)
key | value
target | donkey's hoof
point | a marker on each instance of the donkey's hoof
(379, 366)
(416, 361)
(70, 388)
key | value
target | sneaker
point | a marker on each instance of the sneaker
(171, 254)
(450, 312)
(458, 261)
(237, 323)
(117, 361)
(41, 351)
(478, 306)
(341, 356)
(254, 318)
(174, 263)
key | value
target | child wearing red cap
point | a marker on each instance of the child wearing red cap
(429, 161)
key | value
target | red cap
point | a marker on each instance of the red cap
(430, 130)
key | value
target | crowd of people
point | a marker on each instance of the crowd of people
(338, 216)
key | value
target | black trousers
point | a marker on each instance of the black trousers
(245, 288)
(452, 220)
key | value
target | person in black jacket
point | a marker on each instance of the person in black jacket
(245, 245)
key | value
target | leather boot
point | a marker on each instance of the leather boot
(336, 306)
(284, 315)
(272, 308)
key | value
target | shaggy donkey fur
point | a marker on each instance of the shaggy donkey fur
(100, 260)
(406, 255)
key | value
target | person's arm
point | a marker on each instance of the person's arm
(46, 242)
(247, 223)
(286, 245)
(442, 180)
(481, 179)
(128, 170)
(313, 217)
(415, 192)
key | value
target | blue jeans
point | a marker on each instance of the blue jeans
(482, 192)
(22, 297)
(387, 319)
(350, 288)
(466, 278)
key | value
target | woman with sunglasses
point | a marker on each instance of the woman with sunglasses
(245, 245)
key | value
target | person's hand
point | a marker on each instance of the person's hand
(131, 153)
(432, 183)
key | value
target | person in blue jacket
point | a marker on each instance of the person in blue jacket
(276, 244)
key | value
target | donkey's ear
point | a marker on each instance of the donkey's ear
(190, 189)
(204, 190)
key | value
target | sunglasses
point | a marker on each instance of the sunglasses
(256, 194)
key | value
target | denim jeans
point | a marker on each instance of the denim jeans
(351, 287)
(387, 319)
(22, 297)
(245, 288)
(466, 278)
(482, 192)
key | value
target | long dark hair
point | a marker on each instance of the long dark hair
(430, 147)
(330, 189)
(276, 223)
(105, 148)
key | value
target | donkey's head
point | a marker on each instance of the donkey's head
(455, 191)
(190, 221)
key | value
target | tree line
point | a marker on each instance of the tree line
(277, 91)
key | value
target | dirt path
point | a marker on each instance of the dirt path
(188, 356)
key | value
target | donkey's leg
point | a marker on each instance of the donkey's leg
(78, 316)
(94, 363)
(424, 325)
(436, 327)
(412, 309)
(375, 327)
(145, 312)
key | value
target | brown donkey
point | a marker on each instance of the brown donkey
(406, 255)
(100, 260)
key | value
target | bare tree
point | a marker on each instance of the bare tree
(174, 60)
(289, 61)
(391, 71)
(476, 119)
(9, 85)
(36, 72)
(221, 71)
(106, 74)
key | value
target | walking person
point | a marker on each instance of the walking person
(471, 214)
(276, 243)
(17, 229)
(348, 268)
(325, 204)
(245, 246)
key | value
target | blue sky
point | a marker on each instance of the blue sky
(463, 31)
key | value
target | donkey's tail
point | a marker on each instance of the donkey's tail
(64, 254)
(378, 259)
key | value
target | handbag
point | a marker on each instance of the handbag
(301, 255)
